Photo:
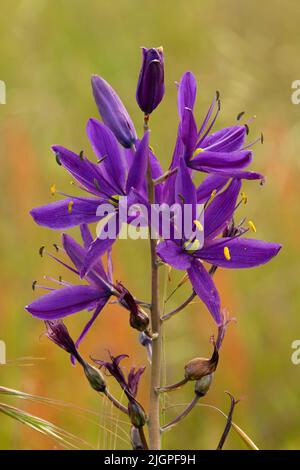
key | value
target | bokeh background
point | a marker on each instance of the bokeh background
(249, 52)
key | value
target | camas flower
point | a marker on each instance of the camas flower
(116, 174)
(93, 296)
(230, 251)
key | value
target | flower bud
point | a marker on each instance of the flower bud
(200, 366)
(94, 377)
(136, 414)
(202, 385)
(113, 112)
(135, 439)
(151, 88)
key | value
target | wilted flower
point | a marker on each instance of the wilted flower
(138, 318)
(151, 88)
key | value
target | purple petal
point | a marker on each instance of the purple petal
(86, 235)
(66, 213)
(137, 173)
(188, 132)
(100, 246)
(205, 289)
(211, 182)
(233, 173)
(134, 377)
(62, 302)
(186, 93)
(228, 139)
(212, 161)
(113, 112)
(220, 211)
(173, 254)
(244, 252)
(169, 185)
(108, 151)
(88, 174)
(92, 320)
(77, 254)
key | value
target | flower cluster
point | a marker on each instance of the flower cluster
(126, 166)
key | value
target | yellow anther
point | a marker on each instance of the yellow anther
(198, 225)
(53, 189)
(197, 151)
(151, 148)
(115, 200)
(252, 226)
(213, 193)
(227, 253)
(70, 206)
(244, 197)
(191, 246)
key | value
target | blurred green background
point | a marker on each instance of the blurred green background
(248, 51)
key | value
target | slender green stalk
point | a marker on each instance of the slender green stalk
(154, 405)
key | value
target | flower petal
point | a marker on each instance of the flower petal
(113, 112)
(188, 132)
(211, 182)
(137, 173)
(92, 320)
(212, 160)
(62, 302)
(244, 252)
(173, 254)
(66, 213)
(227, 139)
(205, 289)
(221, 209)
(186, 93)
(108, 150)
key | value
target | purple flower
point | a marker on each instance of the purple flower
(151, 88)
(229, 251)
(116, 174)
(223, 153)
(113, 112)
(70, 299)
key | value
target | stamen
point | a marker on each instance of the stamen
(70, 206)
(262, 138)
(252, 226)
(227, 253)
(101, 159)
(247, 129)
(56, 247)
(197, 151)
(81, 155)
(57, 158)
(33, 285)
(240, 115)
(53, 189)
(198, 225)
(41, 250)
(244, 198)
(191, 246)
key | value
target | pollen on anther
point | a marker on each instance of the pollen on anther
(227, 253)
(41, 250)
(70, 206)
(252, 226)
(198, 225)
(53, 189)
(244, 197)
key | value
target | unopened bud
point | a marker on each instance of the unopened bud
(135, 439)
(151, 88)
(202, 385)
(136, 414)
(94, 377)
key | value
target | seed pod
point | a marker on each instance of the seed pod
(202, 385)
(200, 366)
(136, 414)
(94, 377)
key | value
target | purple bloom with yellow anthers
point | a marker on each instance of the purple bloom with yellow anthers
(223, 154)
(118, 173)
(228, 250)
(93, 296)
